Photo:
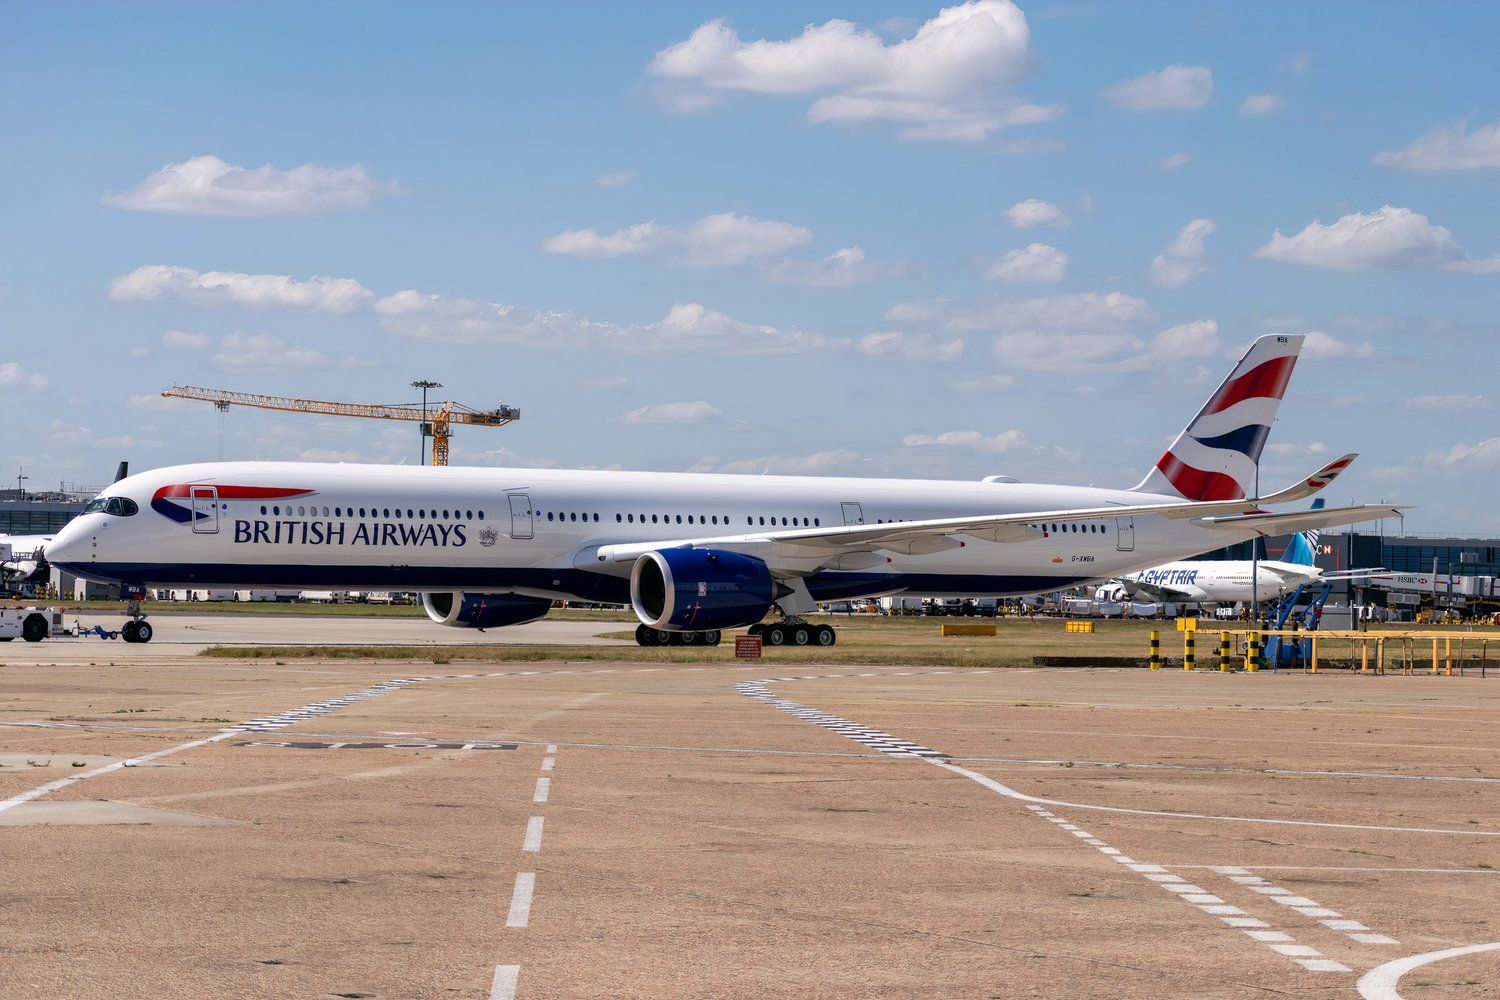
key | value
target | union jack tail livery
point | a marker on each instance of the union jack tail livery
(1214, 458)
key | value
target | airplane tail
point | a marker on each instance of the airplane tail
(1304, 545)
(1214, 457)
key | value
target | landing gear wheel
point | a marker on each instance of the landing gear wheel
(664, 638)
(824, 635)
(801, 635)
(645, 635)
(143, 631)
(711, 637)
(685, 638)
(759, 628)
(774, 635)
(34, 628)
(128, 631)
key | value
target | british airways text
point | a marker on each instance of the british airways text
(339, 533)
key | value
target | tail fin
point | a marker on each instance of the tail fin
(1214, 458)
(1303, 549)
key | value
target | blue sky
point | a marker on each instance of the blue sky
(885, 239)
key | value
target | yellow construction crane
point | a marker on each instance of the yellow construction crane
(437, 419)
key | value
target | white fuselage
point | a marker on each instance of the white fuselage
(536, 532)
(1219, 582)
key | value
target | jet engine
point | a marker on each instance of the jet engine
(683, 590)
(483, 610)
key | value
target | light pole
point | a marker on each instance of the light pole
(425, 428)
(21, 477)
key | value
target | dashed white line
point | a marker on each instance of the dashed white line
(503, 986)
(533, 842)
(1329, 918)
(547, 763)
(543, 786)
(520, 900)
(61, 783)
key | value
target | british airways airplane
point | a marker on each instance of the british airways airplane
(693, 554)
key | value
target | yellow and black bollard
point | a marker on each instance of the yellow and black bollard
(1252, 653)
(1188, 656)
(1224, 664)
(1155, 662)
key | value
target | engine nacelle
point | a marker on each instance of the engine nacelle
(684, 590)
(460, 610)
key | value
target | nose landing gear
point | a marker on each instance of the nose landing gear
(138, 629)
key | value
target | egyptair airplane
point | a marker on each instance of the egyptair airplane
(1232, 580)
(693, 554)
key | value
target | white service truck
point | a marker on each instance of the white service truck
(31, 624)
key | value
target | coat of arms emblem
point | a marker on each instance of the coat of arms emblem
(488, 537)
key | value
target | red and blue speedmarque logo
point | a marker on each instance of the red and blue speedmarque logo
(176, 501)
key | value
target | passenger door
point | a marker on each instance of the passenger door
(1125, 534)
(205, 503)
(853, 513)
(520, 515)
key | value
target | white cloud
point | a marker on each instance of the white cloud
(1320, 347)
(1452, 147)
(944, 82)
(1181, 260)
(1036, 264)
(1076, 312)
(839, 269)
(179, 341)
(1180, 88)
(1485, 453)
(688, 326)
(1262, 104)
(998, 444)
(722, 240)
(82, 437)
(617, 179)
(914, 347)
(1455, 403)
(987, 383)
(320, 294)
(822, 463)
(1033, 212)
(12, 374)
(206, 185)
(1199, 339)
(1482, 265)
(1174, 161)
(1387, 238)
(262, 350)
(699, 412)
(1063, 352)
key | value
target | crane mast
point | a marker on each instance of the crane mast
(440, 415)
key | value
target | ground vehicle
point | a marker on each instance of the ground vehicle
(32, 624)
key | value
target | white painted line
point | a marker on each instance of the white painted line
(1270, 935)
(1244, 922)
(1344, 925)
(1220, 910)
(1294, 900)
(61, 783)
(1316, 911)
(533, 841)
(1201, 897)
(1157, 876)
(1247, 879)
(1109, 850)
(1373, 939)
(1322, 965)
(1182, 887)
(503, 987)
(1295, 950)
(547, 763)
(543, 785)
(552, 748)
(520, 900)
(1270, 890)
(1095, 841)
(1141, 868)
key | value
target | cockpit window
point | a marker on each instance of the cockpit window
(118, 506)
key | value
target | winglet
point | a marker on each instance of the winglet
(1312, 484)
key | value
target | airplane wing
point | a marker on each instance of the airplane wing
(1271, 523)
(848, 546)
(1156, 591)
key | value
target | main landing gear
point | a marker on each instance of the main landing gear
(794, 632)
(645, 635)
(138, 629)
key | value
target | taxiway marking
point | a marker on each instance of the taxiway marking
(61, 783)
(503, 986)
(520, 900)
(543, 786)
(1380, 982)
(1332, 919)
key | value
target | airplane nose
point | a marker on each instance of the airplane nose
(71, 546)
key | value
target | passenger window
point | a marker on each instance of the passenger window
(653, 518)
(690, 519)
(617, 518)
(91, 507)
(481, 515)
(817, 522)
